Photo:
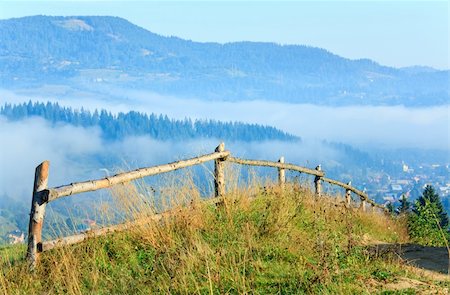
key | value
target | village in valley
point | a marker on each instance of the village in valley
(409, 181)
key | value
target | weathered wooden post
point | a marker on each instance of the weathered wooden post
(38, 204)
(365, 201)
(363, 205)
(281, 175)
(348, 194)
(318, 182)
(219, 174)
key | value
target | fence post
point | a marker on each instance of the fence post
(363, 205)
(348, 194)
(37, 213)
(219, 175)
(318, 182)
(281, 175)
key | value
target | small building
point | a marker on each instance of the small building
(396, 187)
(16, 237)
(402, 182)
(390, 199)
(444, 190)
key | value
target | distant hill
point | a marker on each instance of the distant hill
(133, 123)
(90, 52)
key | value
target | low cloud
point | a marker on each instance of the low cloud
(364, 126)
(78, 154)
(74, 152)
(29, 142)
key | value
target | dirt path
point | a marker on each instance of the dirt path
(430, 264)
(433, 259)
(429, 258)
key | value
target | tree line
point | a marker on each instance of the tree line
(132, 123)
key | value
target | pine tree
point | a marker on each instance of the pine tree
(428, 223)
(390, 207)
(405, 205)
(430, 196)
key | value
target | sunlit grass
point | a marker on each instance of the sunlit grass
(258, 240)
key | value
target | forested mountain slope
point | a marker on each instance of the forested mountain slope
(90, 52)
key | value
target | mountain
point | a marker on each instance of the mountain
(96, 52)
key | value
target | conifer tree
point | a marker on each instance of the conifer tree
(430, 196)
(428, 223)
(405, 205)
(390, 207)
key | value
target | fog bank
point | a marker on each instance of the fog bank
(364, 126)
(78, 154)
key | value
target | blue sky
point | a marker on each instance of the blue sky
(394, 33)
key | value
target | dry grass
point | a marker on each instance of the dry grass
(258, 240)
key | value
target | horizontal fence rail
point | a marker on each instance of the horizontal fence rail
(364, 197)
(275, 165)
(42, 195)
(66, 241)
(93, 185)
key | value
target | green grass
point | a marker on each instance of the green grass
(263, 243)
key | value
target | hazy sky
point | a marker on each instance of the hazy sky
(395, 33)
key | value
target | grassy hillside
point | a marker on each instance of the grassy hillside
(258, 241)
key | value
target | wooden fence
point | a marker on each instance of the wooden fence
(43, 195)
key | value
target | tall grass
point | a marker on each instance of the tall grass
(258, 240)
